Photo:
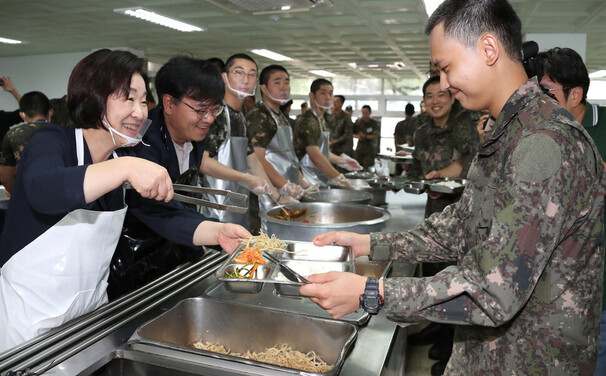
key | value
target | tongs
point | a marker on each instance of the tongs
(203, 190)
(288, 272)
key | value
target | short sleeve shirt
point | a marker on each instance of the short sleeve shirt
(217, 134)
(262, 125)
(307, 132)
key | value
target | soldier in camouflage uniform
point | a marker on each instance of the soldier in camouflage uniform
(312, 139)
(527, 235)
(35, 110)
(341, 131)
(367, 132)
(271, 135)
(444, 146)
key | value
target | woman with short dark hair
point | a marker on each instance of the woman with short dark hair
(67, 209)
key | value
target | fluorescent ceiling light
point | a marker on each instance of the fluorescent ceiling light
(323, 73)
(156, 18)
(285, 7)
(431, 5)
(10, 41)
(271, 55)
(598, 74)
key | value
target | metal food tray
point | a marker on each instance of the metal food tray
(303, 257)
(415, 186)
(432, 184)
(242, 328)
(396, 158)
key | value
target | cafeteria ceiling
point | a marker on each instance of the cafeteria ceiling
(327, 36)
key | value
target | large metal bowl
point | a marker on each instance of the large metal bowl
(378, 192)
(322, 217)
(338, 195)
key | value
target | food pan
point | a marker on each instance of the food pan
(447, 185)
(341, 258)
(414, 188)
(242, 328)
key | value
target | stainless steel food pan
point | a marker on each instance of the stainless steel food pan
(338, 196)
(242, 328)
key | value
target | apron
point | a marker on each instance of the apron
(231, 153)
(280, 151)
(61, 274)
(308, 168)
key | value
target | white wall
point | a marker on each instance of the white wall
(46, 73)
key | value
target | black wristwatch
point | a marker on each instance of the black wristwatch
(371, 301)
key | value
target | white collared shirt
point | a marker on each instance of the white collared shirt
(183, 155)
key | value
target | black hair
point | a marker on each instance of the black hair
(318, 83)
(367, 106)
(268, 71)
(230, 61)
(565, 66)
(304, 105)
(197, 79)
(430, 81)
(95, 78)
(466, 21)
(218, 63)
(34, 104)
(342, 98)
(409, 109)
(348, 108)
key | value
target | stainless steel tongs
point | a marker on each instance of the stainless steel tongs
(201, 202)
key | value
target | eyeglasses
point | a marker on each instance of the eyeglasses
(203, 113)
(242, 74)
(550, 91)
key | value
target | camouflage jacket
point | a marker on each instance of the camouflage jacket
(341, 133)
(438, 147)
(527, 238)
(404, 131)
(262, 126)
(15, 140)
(367, 127)
(307, 132)
(218, 131)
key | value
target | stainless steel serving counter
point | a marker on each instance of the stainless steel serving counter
(379, 349)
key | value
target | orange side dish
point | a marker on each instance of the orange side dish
(250, 256)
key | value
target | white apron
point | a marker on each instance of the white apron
(308, 167)
(281, 151)
(231, 153)
(60, 275)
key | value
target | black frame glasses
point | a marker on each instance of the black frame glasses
(204, 113)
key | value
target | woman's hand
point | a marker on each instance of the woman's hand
(360, 244)
(336, 292)
(229, 235)
(149, 179)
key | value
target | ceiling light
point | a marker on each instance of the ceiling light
(285, 7)
(156, 18)
(323, 73)
(353, 65)
(10, 41)
(598, 74)
(271, 55)
(431, 5)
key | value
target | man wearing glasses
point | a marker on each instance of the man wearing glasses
(227, 142)
(158, 236)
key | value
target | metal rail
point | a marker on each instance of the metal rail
(41, 349)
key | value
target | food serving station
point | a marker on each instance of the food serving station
(151, 330)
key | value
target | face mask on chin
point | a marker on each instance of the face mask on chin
(130, 141)
(280, 101)
(323, 108)
(241, 94)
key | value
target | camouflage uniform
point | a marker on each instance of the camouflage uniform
(404, 131)
(261, 125)
(15, 140)
(218, 131)
(307, 132)
(365, 151)
(437, 147)
(527, 236)
(341, 132)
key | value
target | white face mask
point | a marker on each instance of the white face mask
(324, 108)
(241, 94)
(281, 101)
(130, 141)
